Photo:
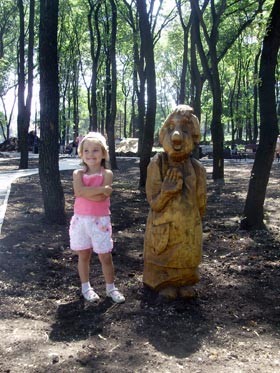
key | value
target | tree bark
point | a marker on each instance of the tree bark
(148, 137)
(254, 206)
(111, 81)
(52, 191)
(212, 74)
(75, 95)
(185, 62)
(255, 109)
(139, 80)
(24, 109)
(95, 49)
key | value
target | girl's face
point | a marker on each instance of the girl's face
(92, 153)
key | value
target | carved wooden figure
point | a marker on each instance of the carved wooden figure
(176, 192)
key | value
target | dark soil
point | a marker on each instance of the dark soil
(232, 326)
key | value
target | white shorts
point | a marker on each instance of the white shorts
(91, 232)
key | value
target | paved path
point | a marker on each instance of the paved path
(8, 177)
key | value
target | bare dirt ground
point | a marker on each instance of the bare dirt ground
(232, 326)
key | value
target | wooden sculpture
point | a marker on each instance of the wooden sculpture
(176, 192)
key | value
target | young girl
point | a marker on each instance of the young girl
(90, 227)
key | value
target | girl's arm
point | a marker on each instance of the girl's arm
(107, 183)
(90, 192)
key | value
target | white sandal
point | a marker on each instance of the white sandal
(116, 295)
(90, 295)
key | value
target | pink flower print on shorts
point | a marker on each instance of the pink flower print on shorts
(101, 226)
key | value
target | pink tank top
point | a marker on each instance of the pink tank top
(83, 206)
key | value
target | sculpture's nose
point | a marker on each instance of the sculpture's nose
(176, 136)
(176, 139)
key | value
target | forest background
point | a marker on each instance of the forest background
(120, 66)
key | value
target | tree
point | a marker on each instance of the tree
(95, 50)
(213, 50)
(8, 37)
(52, 191)
(148, 52)
(254, 210)
(24, 109)
(185, 60)
(73, 51)
(111, 79)
(139, 76)
(146, 34)
(5, 121)
(84, 47)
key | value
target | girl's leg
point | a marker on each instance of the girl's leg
(109, 275)
(107, 267)
(83, 265)
(83, 269)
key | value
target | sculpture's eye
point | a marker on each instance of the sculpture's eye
(171, 127)
(185, 129)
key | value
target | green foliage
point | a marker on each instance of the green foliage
(8, 40)
(75, 59)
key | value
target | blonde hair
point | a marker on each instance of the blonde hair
(100, 139)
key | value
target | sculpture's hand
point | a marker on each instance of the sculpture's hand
(172, 182)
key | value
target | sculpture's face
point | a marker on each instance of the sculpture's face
(176, 136)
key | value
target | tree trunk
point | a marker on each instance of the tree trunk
(254, 206)
(75, 94)
(186, 30)
(148, 138)
(111, 81)
(197, 82)
(49, 104)
(95, 48)
(255, 109)
(231, 110)
(139, 81)
(212, 74)
(218, 139)
(23, 118)
(64, 139)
